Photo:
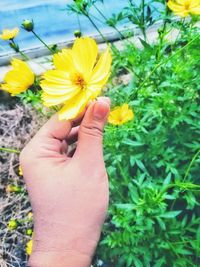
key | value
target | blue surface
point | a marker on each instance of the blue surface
(52, 22)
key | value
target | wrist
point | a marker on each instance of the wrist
(59, 259)
(61, 246)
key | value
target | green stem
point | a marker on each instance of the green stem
(23, 55)
(143, 28)
(190, 165)
(180, 30)
(165, 61)
(187, 172)
(79, 23)
(95, 26)
(26, 58)
(113, 26)
(9, 150)
(163, 32)
(43, 42)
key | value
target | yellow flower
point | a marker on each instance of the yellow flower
(77, 77)
(9, 34)
(184, 7)
(12, 224)
(13, 188)
(20, 171)
(30, 215)
(19, 79)
(120, 115)
(29, 247)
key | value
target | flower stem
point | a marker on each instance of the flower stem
(143, 27)
(95, 26)
(113, 26)
(23, 55)
(11, 150)
(19, 51)
(43, 42)
(190, 165)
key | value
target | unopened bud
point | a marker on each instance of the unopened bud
(28, 25)
(14, 46)
(77, 33)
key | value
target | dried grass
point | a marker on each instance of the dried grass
(18, 124)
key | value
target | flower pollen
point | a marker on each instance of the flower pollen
(79, 81)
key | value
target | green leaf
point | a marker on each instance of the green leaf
(167, 179)
(170, 214)
(145, 44)
(132, 143)
(137, 262)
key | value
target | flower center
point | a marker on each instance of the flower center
(187, 6)
(79, 81)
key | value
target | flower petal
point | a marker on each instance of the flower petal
(175, 7)
(102, 69)
(57, 76)
(57, 89)
(64, 60)
(74, 106)
(85, 53)
(51, 100)
(13, 90)
(17, 78)
(195, 10)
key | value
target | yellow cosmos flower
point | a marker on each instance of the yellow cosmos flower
(120, 115)
(77, 77)
(9, 34)
(29, 247)
(184, 7)
(19, 79)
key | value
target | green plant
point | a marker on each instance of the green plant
(153, 162)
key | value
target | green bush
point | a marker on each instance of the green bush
(153, 162)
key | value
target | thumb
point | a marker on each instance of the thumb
(90, 136)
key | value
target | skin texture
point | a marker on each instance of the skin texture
(69, 195)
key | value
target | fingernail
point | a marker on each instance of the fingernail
(104, 99)
(101, 110)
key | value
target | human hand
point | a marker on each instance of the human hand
(69, 195)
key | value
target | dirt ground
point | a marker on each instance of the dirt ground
(18, 123)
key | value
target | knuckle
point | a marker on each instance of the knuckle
(91, 129)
